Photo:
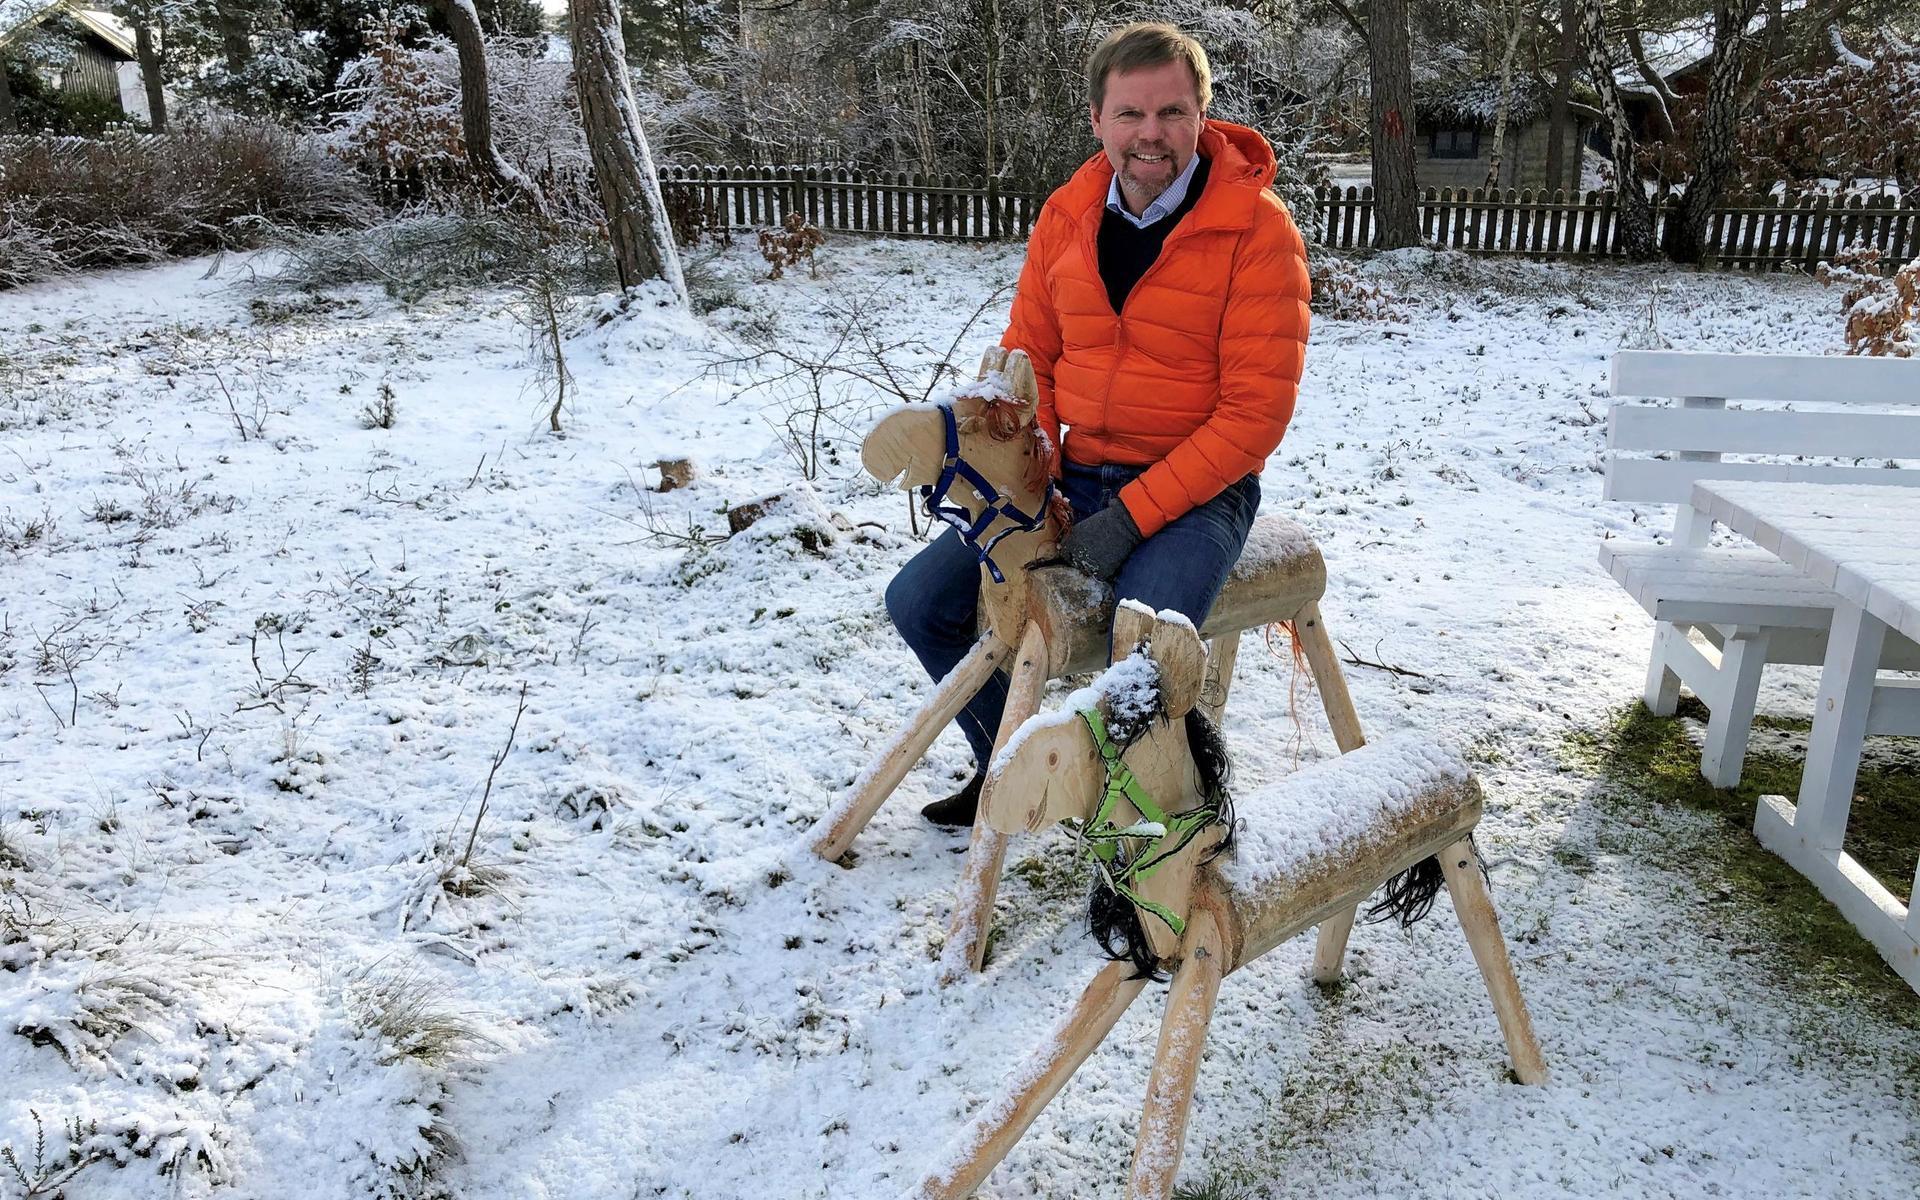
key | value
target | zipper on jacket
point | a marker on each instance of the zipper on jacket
(1090, 247)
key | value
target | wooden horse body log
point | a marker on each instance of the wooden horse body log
(1307, 849)
(1041, 624)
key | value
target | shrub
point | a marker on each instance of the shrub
(67, 204)
(1880, 310)
(1341, 293)
(792, 241)
(400, 121)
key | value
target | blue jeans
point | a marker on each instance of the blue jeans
(934, 600)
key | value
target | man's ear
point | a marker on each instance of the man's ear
(1093, 119)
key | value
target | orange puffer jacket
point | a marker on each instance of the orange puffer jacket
(1198, 372)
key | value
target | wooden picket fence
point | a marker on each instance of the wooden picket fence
(895, 204)
(1751, 234)
(1756, 233)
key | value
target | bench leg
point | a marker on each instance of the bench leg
(987, 1139)
(966, 948)
(1482, 926)
(1176, 1064)
(846, 819)
(1742, 657)
(1330, 943)
(1222, 653)
(1663, 686)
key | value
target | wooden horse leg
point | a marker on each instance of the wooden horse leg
(1176, 1064)
(846, 819)
(966, 947)
(1330, 943)
(987, 1139)
(1482, 926)
(1222, 653)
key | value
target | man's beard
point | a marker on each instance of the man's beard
(1144, 190)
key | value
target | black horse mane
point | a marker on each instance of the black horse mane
(1111, 917)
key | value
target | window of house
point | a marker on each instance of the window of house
(1455, 143)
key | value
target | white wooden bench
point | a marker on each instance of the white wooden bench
(1723, 613)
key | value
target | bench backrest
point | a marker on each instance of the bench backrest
(1703, 428)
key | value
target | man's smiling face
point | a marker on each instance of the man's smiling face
(1149, 125)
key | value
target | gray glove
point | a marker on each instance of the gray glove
(1100, 544)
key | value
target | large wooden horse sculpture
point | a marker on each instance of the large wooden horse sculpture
(1119, 757)
(1049, 622)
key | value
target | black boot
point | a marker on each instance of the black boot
(958, 809)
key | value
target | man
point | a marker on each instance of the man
(1164, 305)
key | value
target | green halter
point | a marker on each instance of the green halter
(1153, 840)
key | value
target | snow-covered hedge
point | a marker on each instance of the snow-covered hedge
(69, 204)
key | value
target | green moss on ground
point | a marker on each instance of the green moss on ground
(1646, 762)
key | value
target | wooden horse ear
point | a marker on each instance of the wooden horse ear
(1132, 624)
(1019, 371)
(1182, 659)
(995, 359)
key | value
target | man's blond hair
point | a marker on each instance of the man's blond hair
(1147, 44)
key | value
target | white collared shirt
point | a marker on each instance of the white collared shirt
(1162, 204)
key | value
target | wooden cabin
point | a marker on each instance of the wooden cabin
(1454, 128)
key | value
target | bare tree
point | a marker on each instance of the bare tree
(1716, 136)
(1518, 16)
(476, 113)
(1396, 215)
(1558, 122)
(7, 122)
(1634, 212)
(149, 19)
(622, 163)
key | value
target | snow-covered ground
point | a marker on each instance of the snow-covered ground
(257, 661)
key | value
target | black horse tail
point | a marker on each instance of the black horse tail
(1410, 894)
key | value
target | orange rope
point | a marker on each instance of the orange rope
(1298, 661)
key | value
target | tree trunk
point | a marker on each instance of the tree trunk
(1558, 133)
(150, 65)
(7, 123)
(476, 107)
(1633, 214)
(236, 29)
(1506, 95)
(1664, 99)
(622, 164)
(1685, 237)
(1396, 216)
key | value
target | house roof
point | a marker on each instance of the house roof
(1688, 44)
(20, 17)
(1475, 103)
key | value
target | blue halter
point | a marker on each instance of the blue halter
(934, 498)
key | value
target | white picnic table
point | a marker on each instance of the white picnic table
(1863, 541)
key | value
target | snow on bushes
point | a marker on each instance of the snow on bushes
(68, 205)
(401, 118)
(1880, 310)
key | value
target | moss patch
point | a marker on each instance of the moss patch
(1647, 762)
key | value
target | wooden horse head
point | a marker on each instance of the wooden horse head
(977, 449)
(1147, 838)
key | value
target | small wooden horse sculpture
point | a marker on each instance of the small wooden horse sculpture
(979, 459)
(983, 466)
(1306, 851)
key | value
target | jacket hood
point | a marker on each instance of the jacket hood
(1237, 157)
